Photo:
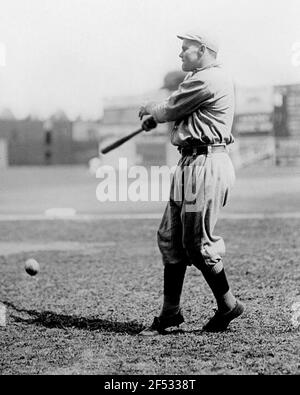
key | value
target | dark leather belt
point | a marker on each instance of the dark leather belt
(202, 149)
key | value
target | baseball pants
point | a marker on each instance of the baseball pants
(200, 187)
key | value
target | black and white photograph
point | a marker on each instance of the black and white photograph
(149, 190)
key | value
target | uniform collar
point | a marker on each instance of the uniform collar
(214, 64)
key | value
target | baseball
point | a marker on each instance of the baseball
(32, 267)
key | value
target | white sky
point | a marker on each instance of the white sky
(70, 54)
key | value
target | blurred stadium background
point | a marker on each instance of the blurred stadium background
(266, 127)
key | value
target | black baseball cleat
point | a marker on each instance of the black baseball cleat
(160, 324)
(219, 322)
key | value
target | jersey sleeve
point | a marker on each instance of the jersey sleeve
(192, 93)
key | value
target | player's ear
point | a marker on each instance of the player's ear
(201, 50)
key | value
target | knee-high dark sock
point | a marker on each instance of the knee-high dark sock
(173, 283)
(218, 283)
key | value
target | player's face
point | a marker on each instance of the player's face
(190, 55)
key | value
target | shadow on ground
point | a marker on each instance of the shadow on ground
(50, 319)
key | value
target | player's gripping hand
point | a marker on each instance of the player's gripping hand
(145, 109)
(143, 112)
(149, 124)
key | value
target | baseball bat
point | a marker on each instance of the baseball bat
(121, 141)
(147, 125)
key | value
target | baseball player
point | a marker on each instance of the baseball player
(202, 111)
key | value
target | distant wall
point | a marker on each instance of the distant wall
(25, 141)
(31, 142)
(3, 154)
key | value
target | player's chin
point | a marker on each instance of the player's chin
(185, 67)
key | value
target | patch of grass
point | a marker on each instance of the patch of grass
(82, 312)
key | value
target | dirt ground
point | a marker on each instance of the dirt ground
(100, 283)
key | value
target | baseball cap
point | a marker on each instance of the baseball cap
(202, 38)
